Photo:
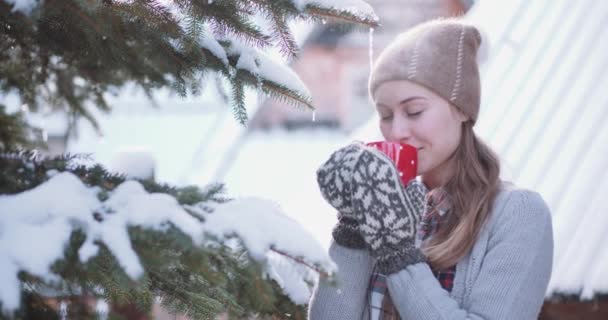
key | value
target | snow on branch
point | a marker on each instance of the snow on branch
(209, 42)
(357, 8)
(263, 67)
(268, 234)
(35, 228)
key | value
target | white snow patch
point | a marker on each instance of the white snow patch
(209, 42)
(262, 225)
(138, 164)
(35, 225)
(290, 277)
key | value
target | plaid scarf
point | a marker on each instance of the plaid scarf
(380, 302)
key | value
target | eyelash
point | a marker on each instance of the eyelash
(411, 115)
(386, 118)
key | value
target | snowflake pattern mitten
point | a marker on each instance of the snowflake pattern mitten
(334, 179)
(387, 212)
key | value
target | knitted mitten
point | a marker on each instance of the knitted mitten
(334, 178)
(389, 213)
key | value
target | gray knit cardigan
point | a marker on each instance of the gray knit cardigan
(505, 275)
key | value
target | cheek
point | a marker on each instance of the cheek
(385, 129)
(440, 139)
(425, 161)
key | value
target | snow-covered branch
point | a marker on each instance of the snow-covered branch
(35, 227)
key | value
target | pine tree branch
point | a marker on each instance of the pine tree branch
(159, 10)
(230, 17)
(68, 53)
(15, 132)
(278, 12)
(169, 24)
(300, 261)
(275, 90)
(278, 91)
(281, 33)
(325, 13)
(238, 104)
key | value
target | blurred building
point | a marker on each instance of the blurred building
(544, 111)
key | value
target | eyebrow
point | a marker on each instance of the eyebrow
(404, 101)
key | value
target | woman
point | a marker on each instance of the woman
(473, 247)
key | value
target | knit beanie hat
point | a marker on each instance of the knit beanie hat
(440, 55)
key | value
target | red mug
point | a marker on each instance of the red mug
(403, 155)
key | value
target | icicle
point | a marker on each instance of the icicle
(371, 48)
(314, 116)
(324, 21)
(45, 136)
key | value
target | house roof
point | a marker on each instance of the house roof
(544, 110)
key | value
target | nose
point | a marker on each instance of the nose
(401, 130)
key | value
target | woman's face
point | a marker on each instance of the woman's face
(412, 114)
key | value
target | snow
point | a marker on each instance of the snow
(54, 209)
(263, 227)
(237, 217)
(266, 67)
(290, 278)
(137, 164)
(207, 39)
(24, 6)
(63, 310)
(357, 8)
(48, 211)
(54, 123)
(209, 42)
(102, 309)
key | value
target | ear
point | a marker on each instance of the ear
(460, 116)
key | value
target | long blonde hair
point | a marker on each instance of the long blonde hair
(472, 189)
